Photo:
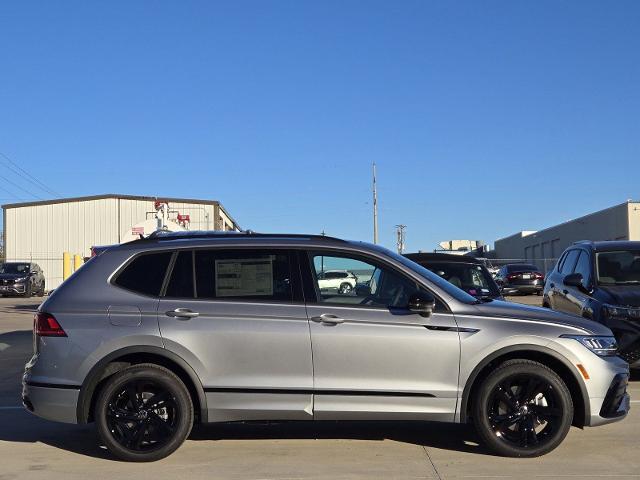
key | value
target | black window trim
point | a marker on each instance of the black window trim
(313, 292)
(114, 276)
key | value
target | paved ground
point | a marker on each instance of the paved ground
(34, 448)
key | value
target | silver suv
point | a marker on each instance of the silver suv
(153, 335)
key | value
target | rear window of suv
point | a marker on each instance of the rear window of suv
(145, 273)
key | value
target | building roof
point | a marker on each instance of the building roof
(108, 195)
(118, 196)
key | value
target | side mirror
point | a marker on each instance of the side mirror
(574, 280)
(422, 303)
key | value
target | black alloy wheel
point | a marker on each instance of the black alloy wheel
(524, 409)
(144, 413)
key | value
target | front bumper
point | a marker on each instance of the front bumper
(51, 402)
(16, 288)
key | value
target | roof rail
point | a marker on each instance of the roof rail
(583, 241)
(161, 235)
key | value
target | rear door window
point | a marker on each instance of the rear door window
(260, 275)
(145, 273)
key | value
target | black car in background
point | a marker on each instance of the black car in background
(521, 278)
(601, 281)
(21, 278)
(467, 273)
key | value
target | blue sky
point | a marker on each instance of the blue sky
(484, 118)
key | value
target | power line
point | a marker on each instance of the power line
(21, 188)
(27, 176)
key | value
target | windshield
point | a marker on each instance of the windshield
(451, 289)
(472, 278)
(620, 267)
(14, 268)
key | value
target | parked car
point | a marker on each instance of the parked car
(341, 280)
(601, 281)
(153, 335)
(521, 278)
(21, 278)
(467, 273)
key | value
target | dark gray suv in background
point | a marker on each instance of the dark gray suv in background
(153, 335)
(601, 281)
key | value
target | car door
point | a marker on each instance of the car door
(372, 357)
(238, 318)
(561, 291)
(577, 298)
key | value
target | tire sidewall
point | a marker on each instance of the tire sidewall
(481, 417)
(167, 380)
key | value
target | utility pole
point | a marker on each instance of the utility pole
(375, 206)
(400, 238)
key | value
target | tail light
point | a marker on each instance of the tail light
(511, 276)
(46, 325)
(538, 275)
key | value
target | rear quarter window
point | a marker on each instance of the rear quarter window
(145, 273)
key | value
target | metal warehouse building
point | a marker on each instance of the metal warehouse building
(543, 247)
(42, 231)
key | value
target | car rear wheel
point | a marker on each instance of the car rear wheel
(523, 409)
(345, 288)
(144, 413)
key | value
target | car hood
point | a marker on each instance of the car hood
(499, 308)
(12, 276)
(623, 295)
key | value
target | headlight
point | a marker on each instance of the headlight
(601, 346)
(620, 313)
(20, 280)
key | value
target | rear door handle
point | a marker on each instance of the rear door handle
(184, 313)
(328, 319)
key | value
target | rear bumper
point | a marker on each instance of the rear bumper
(52, 402)
(526, 288)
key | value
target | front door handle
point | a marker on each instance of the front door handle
(328, 319)
(184, 313)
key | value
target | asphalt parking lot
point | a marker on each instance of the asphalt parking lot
(38, 449)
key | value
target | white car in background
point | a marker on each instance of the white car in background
(341, 280)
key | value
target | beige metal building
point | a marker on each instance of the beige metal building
(620, 222)
(42, 231)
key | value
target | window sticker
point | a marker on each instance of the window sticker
(244, 277)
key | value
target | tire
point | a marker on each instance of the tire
(130, 427)
(27, 292)
(539, 292)
(522, 409)
(41, 292)
(345, 288)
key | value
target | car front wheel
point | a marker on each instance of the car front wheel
(522, 409)
(144, 413)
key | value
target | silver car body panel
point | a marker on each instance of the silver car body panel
(275, 361)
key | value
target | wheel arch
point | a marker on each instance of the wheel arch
(558, 363)
(121, 359)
